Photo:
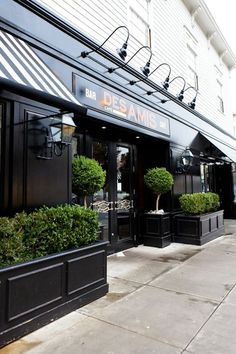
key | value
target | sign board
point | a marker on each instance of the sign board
(96, 96)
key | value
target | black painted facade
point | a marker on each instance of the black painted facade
(163, 131)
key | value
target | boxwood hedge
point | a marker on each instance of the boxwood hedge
(199, 203)
(45, 231)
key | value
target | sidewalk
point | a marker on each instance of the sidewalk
(180, 299)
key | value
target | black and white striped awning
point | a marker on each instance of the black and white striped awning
(22, 71)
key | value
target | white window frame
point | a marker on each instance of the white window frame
(219, 85)
(146, 22)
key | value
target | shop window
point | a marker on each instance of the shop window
(100, 154)
(1, 117)
(204, 172)
(234, 179)
(139, 22)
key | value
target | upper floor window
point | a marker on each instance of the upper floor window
(139, 21)
(191, 59)
(219, 89)
(219, 96)
(192, 77)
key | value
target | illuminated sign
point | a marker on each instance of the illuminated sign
(98, 97)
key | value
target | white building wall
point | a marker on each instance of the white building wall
(169, 21)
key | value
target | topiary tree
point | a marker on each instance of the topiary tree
(88, 177)
(159, 180)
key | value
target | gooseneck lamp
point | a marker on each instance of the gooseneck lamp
(166, 86)
(145, 70)
(192, 104)
(122, 52)
(166, 80)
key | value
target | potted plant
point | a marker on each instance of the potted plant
(50, 264)
(88, 177)
(201, 220)
(157, 222)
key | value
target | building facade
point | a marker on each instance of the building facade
(61, 57)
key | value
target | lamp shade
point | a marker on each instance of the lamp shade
(62, 129)
(187, 157)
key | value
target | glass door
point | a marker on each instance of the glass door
(123, 198)
(115, 202)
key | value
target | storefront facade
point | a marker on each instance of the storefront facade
(120, 125)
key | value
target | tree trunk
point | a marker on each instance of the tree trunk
(85, 201)
(157, 202)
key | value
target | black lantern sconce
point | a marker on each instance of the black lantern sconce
(166, 80)
(145, 69)
(122, 52)
(59, 133)
(186, 159)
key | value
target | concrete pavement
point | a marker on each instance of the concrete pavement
(176, 300)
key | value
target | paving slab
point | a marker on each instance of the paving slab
(197, 280)
(137, 270)
(231, 298)
(170, 317)
(174, 253)
(218, 334)
(118, 289)
(216, 258)
(90, 336)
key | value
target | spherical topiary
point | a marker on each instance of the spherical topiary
(88, 177)
(159, 180)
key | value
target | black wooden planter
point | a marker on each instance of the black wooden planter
(35, 293)
(199, 229)
(156, 230)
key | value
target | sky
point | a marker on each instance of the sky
(224, 13)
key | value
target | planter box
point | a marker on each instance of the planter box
(35, 293)
(156, 230)
(199, 229)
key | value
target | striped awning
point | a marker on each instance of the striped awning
(22, 69)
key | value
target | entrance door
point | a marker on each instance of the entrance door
(115, 202)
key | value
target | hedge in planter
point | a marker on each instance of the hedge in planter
(157, 223)
(201, 221)
(71, 273)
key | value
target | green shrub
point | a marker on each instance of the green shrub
(199, 203)
(213, 201)
(88, 176)
(46, 231)
(12, 248)
(159, 180)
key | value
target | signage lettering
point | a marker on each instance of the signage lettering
(96, 96)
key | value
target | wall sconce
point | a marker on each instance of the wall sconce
(145, 70)
(58, 135)
(166, 80)
(184, 161)
(122, 52)
(186, 158)
(193, 102)
(166, 86)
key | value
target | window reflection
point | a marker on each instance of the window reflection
(123, 173)
(1, 116)
(100, 154)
